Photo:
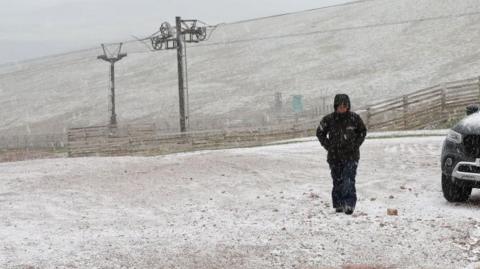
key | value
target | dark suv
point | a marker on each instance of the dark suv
(461, 158)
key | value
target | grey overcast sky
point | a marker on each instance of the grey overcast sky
(35, 28)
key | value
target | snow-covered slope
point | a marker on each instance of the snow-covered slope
(370, 49)
(265, 207)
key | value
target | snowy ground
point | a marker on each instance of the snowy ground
(242, 208)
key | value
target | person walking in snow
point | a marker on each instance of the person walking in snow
(342, 133)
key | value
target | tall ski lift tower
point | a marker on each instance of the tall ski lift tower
(112, 54)
(168, 37)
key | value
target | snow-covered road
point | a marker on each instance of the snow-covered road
(263, 207)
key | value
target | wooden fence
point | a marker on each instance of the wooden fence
(145, 140)
(418, 110)
(32, 141)
(424, 108)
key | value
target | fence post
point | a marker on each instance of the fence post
(405, 110)
(369, 115)
(444, 102)
(444, 98)
(478, 88)
(69, 148)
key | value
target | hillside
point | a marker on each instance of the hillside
(369, 49)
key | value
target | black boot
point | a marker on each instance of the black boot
(348, 210)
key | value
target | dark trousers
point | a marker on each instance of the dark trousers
(343, 175)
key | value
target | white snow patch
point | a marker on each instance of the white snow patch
(472, 121)
(263, 207)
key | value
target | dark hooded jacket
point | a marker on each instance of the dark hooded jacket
(342, 134)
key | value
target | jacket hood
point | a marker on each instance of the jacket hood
(341, 99)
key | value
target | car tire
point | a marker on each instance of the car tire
(454, 192)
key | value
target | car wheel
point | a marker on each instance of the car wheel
(454, 192)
